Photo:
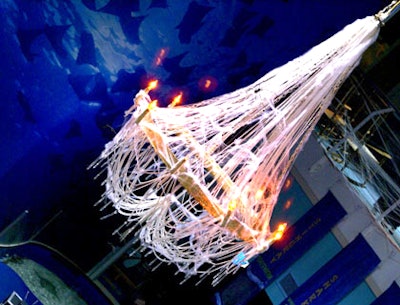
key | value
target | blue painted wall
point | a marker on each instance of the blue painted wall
(306, 266)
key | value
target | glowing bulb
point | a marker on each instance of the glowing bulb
(177, 99)
(152, 85)
(282, 227)
(279, 232)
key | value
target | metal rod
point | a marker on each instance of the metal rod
(388, 210)
(110, 259)
(388, 12)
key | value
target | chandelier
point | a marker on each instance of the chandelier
(198, 183)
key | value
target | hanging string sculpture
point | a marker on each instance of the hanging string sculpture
(198, 183)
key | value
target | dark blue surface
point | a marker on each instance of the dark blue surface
(389, 296)
(10, 282)
(338, 277)
(69, 69)
(70, 274)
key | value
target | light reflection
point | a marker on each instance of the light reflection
(160, 56)
(288, 183)
(208, 83)
(288, 204)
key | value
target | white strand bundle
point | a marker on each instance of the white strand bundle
(198, 183)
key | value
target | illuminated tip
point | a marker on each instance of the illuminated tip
(232, 205)
(177, 100)
(152, 85)
(207, 83)
(282, 227)
(279, 232)
(152, 105)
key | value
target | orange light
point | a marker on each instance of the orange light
(152, 85)
(208, 83)
(282, 227)
(278, 235)
(177, 99)
(279, 232)
(160, 57)
(288, 204)
(288, 183)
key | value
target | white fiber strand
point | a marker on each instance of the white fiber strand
(202, 179)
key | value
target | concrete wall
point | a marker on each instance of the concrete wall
(316, 175)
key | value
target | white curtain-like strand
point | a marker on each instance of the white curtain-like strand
(198, 183)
